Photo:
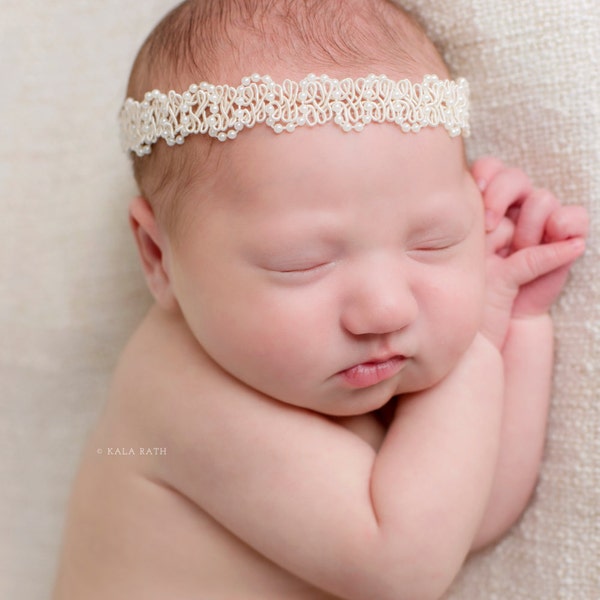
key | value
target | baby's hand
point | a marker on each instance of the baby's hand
(532, 242)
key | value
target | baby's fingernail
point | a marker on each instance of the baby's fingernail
(490, 219)
(481, 184)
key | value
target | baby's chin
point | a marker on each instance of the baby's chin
(419, 377)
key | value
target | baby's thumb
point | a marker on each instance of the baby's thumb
(528, 264)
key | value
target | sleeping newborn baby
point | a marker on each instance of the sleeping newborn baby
(341, 388)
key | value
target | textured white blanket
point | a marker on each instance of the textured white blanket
(70, 289)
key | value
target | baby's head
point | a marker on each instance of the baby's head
(222, 41)
(330, 269)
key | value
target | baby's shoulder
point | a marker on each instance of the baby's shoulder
(159, 378)
(167, 387)
(150, 359)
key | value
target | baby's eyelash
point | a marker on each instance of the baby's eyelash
(301, 274)
(433, 247)
(303, 269)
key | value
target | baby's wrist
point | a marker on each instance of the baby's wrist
(530, 327)
(542, 318)
(481, 340)
(483, 350)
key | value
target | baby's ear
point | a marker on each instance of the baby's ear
(151, 245)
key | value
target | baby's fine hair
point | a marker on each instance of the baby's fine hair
(220, 41)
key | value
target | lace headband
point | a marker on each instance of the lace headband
(223, 111)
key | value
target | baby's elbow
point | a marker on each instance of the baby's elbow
(500, 519)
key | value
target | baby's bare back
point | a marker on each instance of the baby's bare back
(129, 535)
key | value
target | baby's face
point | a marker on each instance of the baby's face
(333, 270)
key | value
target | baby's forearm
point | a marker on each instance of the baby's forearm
(528, 361)
(322, 503)
(448, 438)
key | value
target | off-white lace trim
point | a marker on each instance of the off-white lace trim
(222, 110)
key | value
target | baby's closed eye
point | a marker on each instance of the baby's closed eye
(432, 247)
(300, 271)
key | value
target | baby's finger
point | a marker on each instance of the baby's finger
(567, 222)
(500, 238)
(534, 213)
(509, 187)
(484, 169)
(529, 264)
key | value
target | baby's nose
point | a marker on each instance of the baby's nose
(380, 302)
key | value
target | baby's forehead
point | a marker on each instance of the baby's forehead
(323, 161)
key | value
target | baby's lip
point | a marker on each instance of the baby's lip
(373, 371)
(377, 358)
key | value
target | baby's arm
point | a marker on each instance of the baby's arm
(530, 252)
(318, 500)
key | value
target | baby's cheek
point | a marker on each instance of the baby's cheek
(464, 302)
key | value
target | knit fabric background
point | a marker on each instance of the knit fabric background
(71, 291)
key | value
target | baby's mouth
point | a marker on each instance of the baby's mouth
(372, 372)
